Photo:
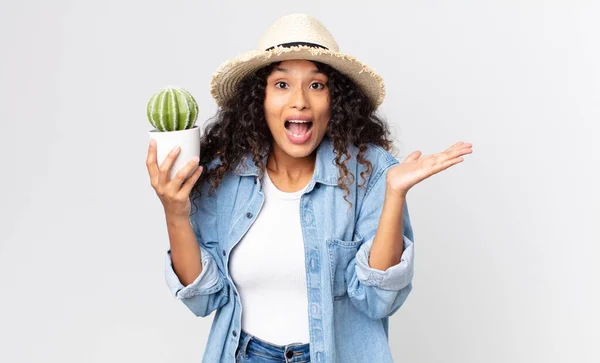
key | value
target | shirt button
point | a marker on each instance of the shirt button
(234, 333)
(289, 354)
(224, 253)
(317, 186)
(235, 293)
(249, 215)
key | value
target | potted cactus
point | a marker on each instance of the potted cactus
(173, 112)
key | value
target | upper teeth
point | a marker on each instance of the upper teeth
(298, 121)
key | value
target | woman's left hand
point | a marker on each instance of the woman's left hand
(402, 177)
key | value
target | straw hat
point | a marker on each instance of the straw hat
(295, 36)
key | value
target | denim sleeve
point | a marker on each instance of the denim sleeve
(378, 293)
(208, 291)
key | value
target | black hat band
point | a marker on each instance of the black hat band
(294, 44)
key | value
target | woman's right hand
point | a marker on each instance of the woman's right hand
(174, 194)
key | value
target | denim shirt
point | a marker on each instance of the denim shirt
(349, 302)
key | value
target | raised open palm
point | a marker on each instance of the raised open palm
(414, 169)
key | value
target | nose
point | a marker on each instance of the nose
(298, 99)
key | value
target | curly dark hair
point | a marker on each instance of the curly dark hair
(240, 127)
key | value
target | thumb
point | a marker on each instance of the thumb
(413, 156)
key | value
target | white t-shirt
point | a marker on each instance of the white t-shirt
(268, 269)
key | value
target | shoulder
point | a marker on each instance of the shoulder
(380, 158)
(371, 194)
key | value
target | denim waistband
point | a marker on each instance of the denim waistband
(290, 353)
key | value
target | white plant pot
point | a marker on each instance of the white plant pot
(188, 140)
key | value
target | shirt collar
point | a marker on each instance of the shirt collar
(326, 172)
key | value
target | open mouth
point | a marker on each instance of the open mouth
(298, 127)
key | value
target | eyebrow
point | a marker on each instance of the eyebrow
(285, 70)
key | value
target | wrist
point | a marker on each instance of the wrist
(391, 192)
(176, 220)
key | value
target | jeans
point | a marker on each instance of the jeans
(254, 350)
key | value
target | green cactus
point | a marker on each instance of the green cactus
(172, 109)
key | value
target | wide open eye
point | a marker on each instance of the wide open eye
(277, 84)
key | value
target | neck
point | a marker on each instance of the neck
(290, 172)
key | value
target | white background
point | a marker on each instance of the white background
(507, 241)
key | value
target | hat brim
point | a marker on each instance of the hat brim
(227, 76)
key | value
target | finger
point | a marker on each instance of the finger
(165, 167)
(466, 150)
(451, 154)
(448, 163)
(459, 144)
(462, 145)
(454, 145)
(463, 150)
(151, 162)
(178, 178)
(445, 159)
(434, 166)
(455, 157)
(186, 188)
(413, 156)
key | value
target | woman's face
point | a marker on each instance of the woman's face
(297, 106)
